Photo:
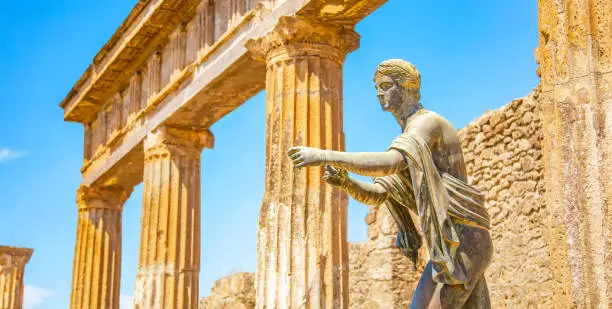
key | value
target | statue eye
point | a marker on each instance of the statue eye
(385, 86)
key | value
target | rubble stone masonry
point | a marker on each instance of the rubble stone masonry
(503, 155)
(236, 291)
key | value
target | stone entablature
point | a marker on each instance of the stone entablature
(193, 71)
(152, 28)
(162, 54)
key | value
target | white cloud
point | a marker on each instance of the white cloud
(7, 154)
(34, 296)
(126, 301)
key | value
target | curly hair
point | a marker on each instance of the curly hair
(402, 72)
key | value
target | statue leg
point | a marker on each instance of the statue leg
(476, 246)
(449, 297)
(479, 299)
(425, 290)
(432, 295)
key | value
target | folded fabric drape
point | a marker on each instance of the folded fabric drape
(435, 198)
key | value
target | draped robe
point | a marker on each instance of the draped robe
(442, 203)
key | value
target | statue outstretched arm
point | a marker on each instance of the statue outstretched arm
(363, 192)
(363, 163)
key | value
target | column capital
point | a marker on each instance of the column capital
(11, 257)
(295, 36)
(188, 141)
(111, 198)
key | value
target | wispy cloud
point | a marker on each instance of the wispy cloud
(126, 301)
(8, 154)
(34, 296)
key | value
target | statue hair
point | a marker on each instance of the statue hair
(403, 73)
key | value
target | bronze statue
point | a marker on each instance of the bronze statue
(422, 171)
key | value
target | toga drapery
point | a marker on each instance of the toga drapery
(435, 198)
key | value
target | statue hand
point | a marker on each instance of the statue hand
(306, 156)
(335, 176)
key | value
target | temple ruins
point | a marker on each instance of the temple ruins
(12, 266)
(175, 67)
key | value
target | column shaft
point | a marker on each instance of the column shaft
(170, 236)
(302, 248)
(12, 265)
(575, 100)
(97, 260)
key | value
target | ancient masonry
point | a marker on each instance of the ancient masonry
(502, 149)
(236, 291)
(147, 102)
(380, 276)
(503, 154)
(12, 265)
(175, 67)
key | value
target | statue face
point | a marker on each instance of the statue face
(390, 94)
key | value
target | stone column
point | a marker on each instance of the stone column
(169, 263)
(575, 100)
(12, 265)
(302, 252)
(97, 255)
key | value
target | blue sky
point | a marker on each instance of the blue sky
(473, 56)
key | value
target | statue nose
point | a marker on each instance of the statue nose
(381, 97)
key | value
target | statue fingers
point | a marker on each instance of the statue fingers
(299, 163)
(332, 180)
(334, 169)
(327, 175)
(293, 150)
(330, 169)
(298, 160)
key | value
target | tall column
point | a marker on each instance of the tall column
(12, 265)
(97, 255)
(575, 98)
(302, 253)
(169, 263)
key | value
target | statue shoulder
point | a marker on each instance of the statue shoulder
(426, 121)
(432, 127)
(435, 120)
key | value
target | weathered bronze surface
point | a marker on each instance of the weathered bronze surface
(422, 171)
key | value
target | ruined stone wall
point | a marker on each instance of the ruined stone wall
(236, 291)
(503, 155)
(380, 276)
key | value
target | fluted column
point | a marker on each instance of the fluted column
(575, 100)
(96, 270)
(302, 254)
(12, 265)
(169, 263)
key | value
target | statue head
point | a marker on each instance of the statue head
(398, 86)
